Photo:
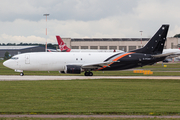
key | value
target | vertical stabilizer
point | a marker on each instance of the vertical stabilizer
(61, 45)
(156, 43)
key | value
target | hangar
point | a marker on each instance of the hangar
(125, 44)
(14, 50)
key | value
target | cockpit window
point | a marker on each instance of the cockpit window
(14, 58)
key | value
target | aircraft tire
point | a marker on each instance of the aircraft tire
(21, 74)
(88, 74)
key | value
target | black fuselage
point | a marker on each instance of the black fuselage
(132, 60)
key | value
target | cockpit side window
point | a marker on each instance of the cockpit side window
(14, 58)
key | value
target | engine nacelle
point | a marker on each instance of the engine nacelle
(74, 69)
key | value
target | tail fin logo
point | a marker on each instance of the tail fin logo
(61, 46)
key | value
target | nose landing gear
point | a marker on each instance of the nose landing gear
(21, 74)
(88, 74)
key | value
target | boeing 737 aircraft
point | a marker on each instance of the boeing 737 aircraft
(64, 48)
(77, 62)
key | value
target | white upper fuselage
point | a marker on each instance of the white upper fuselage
(54, 61)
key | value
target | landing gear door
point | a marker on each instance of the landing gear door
(27, 59)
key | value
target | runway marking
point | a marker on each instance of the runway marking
(31, 78)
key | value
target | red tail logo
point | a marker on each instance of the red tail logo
(61, 44)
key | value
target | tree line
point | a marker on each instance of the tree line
(49, 45)
(177, 35)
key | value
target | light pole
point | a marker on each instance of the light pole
(141, 38)
(46, 30)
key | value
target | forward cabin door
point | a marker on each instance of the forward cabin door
(27, 59)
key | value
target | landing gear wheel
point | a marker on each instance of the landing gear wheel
(21, 74)
(88, 74)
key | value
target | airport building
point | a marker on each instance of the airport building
(125, 44)
(14, 50)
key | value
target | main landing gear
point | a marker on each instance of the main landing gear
(88, 74)
(21, 74)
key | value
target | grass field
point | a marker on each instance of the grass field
(122, 97)
(158, 70)
(105, 96)
(89, 119)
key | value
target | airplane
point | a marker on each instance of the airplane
(174, 51)
(64, 48)
(77, 62)
(173, 54)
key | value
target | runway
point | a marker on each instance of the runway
(31, 78)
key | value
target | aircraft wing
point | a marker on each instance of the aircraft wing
(96, 65)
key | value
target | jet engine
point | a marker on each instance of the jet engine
(74, 69)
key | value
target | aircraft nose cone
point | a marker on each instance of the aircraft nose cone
(5, 63)
(8, 63)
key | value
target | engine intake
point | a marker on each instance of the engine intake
(74, 69)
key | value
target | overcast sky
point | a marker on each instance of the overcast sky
(23, 20)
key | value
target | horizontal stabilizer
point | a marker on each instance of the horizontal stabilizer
(164, 55)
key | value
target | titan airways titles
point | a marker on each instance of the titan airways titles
(77, 62)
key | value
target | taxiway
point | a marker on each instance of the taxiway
(17, 78)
